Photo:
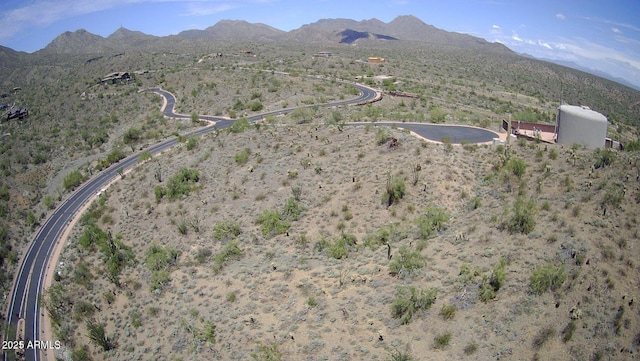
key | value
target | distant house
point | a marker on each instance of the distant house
(115, 77)
(375, 60)
(323, 54)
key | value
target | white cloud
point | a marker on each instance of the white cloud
(560, 16)
(207, 8)
(497, 27)
(544, 44)
(41, 13)
(616, 30)
(516, 37)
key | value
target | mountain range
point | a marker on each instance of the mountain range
(326, 31)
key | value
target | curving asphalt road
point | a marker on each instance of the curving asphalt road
(28, 284)
(456, 133)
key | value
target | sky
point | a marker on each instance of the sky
(602, 35)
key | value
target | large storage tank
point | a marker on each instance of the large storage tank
(581, 125)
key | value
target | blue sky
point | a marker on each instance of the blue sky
(601, 35)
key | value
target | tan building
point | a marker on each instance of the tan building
(375, 60)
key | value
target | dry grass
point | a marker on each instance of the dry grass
(285, 295)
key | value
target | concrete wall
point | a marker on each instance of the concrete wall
(579, 125)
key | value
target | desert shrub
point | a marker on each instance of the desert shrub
(271, 223)
(230, 251)
(82, 275)
(202, 255)
(448, 311)
(207, 333)
(397, 355)
(475, 203)
(159, 258)
(407, 262)
(98, 335)
(382, 135)
(442, 340)
(242, 157)
(632, 145)
(292, 210)
(517, 166)
(340, 248)
(394, 191)
(191, 143)
(471, 348)
(547, 277)
(256, 106)
(267, 352)
(226, 230)
(73, 179)
(82, 310)
(613, 196)
(568, 330)
(239, 125)
(523, 217)
(492, 284)
(159, 261)
(181, 184)
(432, 219)
(112, 158)
(603, 158)
(144, 156)
(410, 300)
(543, 336)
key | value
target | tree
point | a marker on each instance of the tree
(131, 137)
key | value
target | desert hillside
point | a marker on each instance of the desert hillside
(325, 242)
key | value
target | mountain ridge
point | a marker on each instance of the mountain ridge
(323, 31)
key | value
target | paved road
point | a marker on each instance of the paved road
(456, 133)
(29, 280)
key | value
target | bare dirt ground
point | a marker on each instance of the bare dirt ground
(286, 296)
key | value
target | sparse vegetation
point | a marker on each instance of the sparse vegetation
(258, 280)
(547, 277)
(410, 300)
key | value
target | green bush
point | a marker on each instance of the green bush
(547, 277)
(523, 218)
(517, 166)
(292, 210)
(604, 158)
(394, 191)
(410, 300)
(407, 261)
(441, 341)
(226, 230)
(340, 248)
(230, 251)
(159, 258)
(73, 179)
(242, 157)
(267, 352)
(492, 284)
(181, 184)
(239, 125)
(448, 311)
(433, 219)
(382, 135)
(271, 223)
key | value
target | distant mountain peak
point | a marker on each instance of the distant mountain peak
(351, 36)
